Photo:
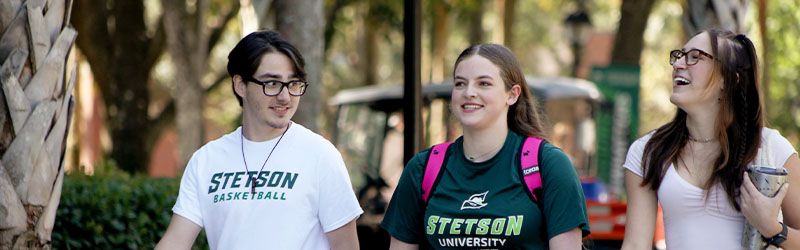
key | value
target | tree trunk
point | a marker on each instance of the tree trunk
(766, 57)
(371, 31)
(629, 41)
(187, 41)
(121, 55)
(34, 116)
(263, 10)
(500, 12)
(437, 118)
(474, 13)
(301, 23)
(439, 40)
(510, 9)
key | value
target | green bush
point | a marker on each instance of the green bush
(114, 210)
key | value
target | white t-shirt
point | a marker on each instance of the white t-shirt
(303, 192)
(691, 221)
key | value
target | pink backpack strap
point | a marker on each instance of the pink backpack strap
(432, 169)
(530, 164)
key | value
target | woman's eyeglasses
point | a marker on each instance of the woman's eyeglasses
(692, 56)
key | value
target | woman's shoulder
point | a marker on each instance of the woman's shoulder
(639, 144)
(415, 167)
(645, 138)
(419, 160)
(768, 134)
(422, 156)
(550, 155)
(774, 138)
(776, 147)
(549, 148)
(556, 167)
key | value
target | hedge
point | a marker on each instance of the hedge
(114, 210)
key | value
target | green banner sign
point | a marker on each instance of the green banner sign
(617, 120)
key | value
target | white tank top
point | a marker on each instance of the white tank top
(692, 221)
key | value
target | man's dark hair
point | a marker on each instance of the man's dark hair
(245, 58)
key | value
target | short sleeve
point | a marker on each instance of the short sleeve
(780, 148)
(337, 201)
(564, 204)
(633, 161)
(404, 217)
(187, 204)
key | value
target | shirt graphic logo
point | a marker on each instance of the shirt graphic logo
(475, 201)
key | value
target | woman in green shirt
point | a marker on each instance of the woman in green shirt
(479, 200)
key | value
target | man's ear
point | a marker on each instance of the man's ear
(239, 85)
(513, 95)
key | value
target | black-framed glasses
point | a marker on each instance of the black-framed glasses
(692, 56)
(274, 87)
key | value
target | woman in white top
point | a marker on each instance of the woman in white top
(695, 164)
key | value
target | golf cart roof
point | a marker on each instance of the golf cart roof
(544, 88)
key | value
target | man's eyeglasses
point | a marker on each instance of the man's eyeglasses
(692, 56)
(274, 87)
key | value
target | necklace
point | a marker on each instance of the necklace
(253, 179)
(472, 158)
(701, 140)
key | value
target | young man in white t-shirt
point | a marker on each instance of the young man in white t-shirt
(271, 184)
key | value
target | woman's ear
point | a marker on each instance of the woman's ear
(513, 95)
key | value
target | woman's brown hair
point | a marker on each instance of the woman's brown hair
(739, 120)
(524, 117)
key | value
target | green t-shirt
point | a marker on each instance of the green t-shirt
(484, 205)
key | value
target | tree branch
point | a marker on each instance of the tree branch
(216, 32)
(331, 16)
(94, 41)
(157, 44)
(167, 116)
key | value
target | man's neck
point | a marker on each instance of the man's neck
(261, 131)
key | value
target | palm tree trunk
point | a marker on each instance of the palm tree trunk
(714, 14)
(35, 108)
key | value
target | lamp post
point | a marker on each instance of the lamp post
(579, 30)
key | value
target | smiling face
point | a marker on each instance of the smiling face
(479, 98)
(694, 85)
(261, 111)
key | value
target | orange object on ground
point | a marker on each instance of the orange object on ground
(607, 221)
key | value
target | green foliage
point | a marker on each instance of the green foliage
(114, 210)
(784, 80)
